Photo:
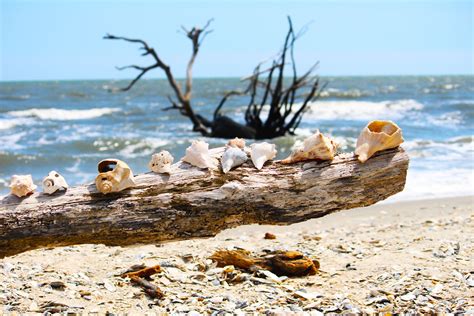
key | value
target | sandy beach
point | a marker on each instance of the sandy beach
(412, 256)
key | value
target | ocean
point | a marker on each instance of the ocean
(69, 126)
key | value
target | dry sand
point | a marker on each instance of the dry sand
(409, 256)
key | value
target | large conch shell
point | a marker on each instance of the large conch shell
(161, 162)
(114, 176)
(232, 157)
(22, 185)
(198, 155)
(315, 147)
(54, 182)
(377, 136)
(261, 153)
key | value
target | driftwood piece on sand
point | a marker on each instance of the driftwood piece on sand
(193, 202)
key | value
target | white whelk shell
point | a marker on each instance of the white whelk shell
(237, 143)
(377, 136)
(22, 185)
(114, 176)
(54, 182)
(198, 155)
(232, 157)
(161, 162)
(261, 153)
(315, 147)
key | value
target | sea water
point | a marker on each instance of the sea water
(69, 126)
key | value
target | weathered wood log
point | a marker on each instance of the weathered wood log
(192, 202)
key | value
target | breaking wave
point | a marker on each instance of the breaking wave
(361, 110)
(63, 115)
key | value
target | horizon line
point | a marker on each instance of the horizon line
(235, 77)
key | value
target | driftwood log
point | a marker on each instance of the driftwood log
(192, 202)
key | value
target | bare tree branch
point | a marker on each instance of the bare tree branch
(196, 35)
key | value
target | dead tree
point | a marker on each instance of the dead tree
(286, 103)
(183, 102)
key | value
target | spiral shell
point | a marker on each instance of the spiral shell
(114, 176)
(377, 136)
(315, 147)
(54, 182)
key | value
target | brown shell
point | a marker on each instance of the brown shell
(114, 176)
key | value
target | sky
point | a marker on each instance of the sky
(62, 39)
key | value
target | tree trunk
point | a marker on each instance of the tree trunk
(192, 202)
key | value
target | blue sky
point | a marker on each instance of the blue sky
(46, 39)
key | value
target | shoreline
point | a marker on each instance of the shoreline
(390, 257)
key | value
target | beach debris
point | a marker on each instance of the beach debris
(302, 293)
(232, 157)
(315, 147)
(408, 297)
(57, 285)
(53, 307)
(142, 271)
(236, 143)
(22, 185)
(447, 249)
(198, 155)
(161, 162)
(261, 153)
(281, 263)
(140, 276)
(114, 176)
(54, 182)
(269, 236)
(149, 288)
(377, 136)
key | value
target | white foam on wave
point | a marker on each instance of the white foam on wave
(8, 123)
(12, 142)
(62, 114)
(425, 184)
(361, 110)
(145, 147)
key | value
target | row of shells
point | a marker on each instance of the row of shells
(115, 175)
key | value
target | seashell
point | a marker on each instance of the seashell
(161, 162)
(114, 176)
(22, 185)
(377, 136)
(54, 182)
(315, 147)
(237, 143)
(232, 157)
(198, 155)
(261, 153)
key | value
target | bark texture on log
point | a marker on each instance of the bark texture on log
(192, 202)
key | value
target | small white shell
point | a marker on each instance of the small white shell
(237, 143)
(261, 153)
(54, 182)
(114, 176)
(232, 157)
(22, 185)
(161, 162)
(315, 147)
(198, 155)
